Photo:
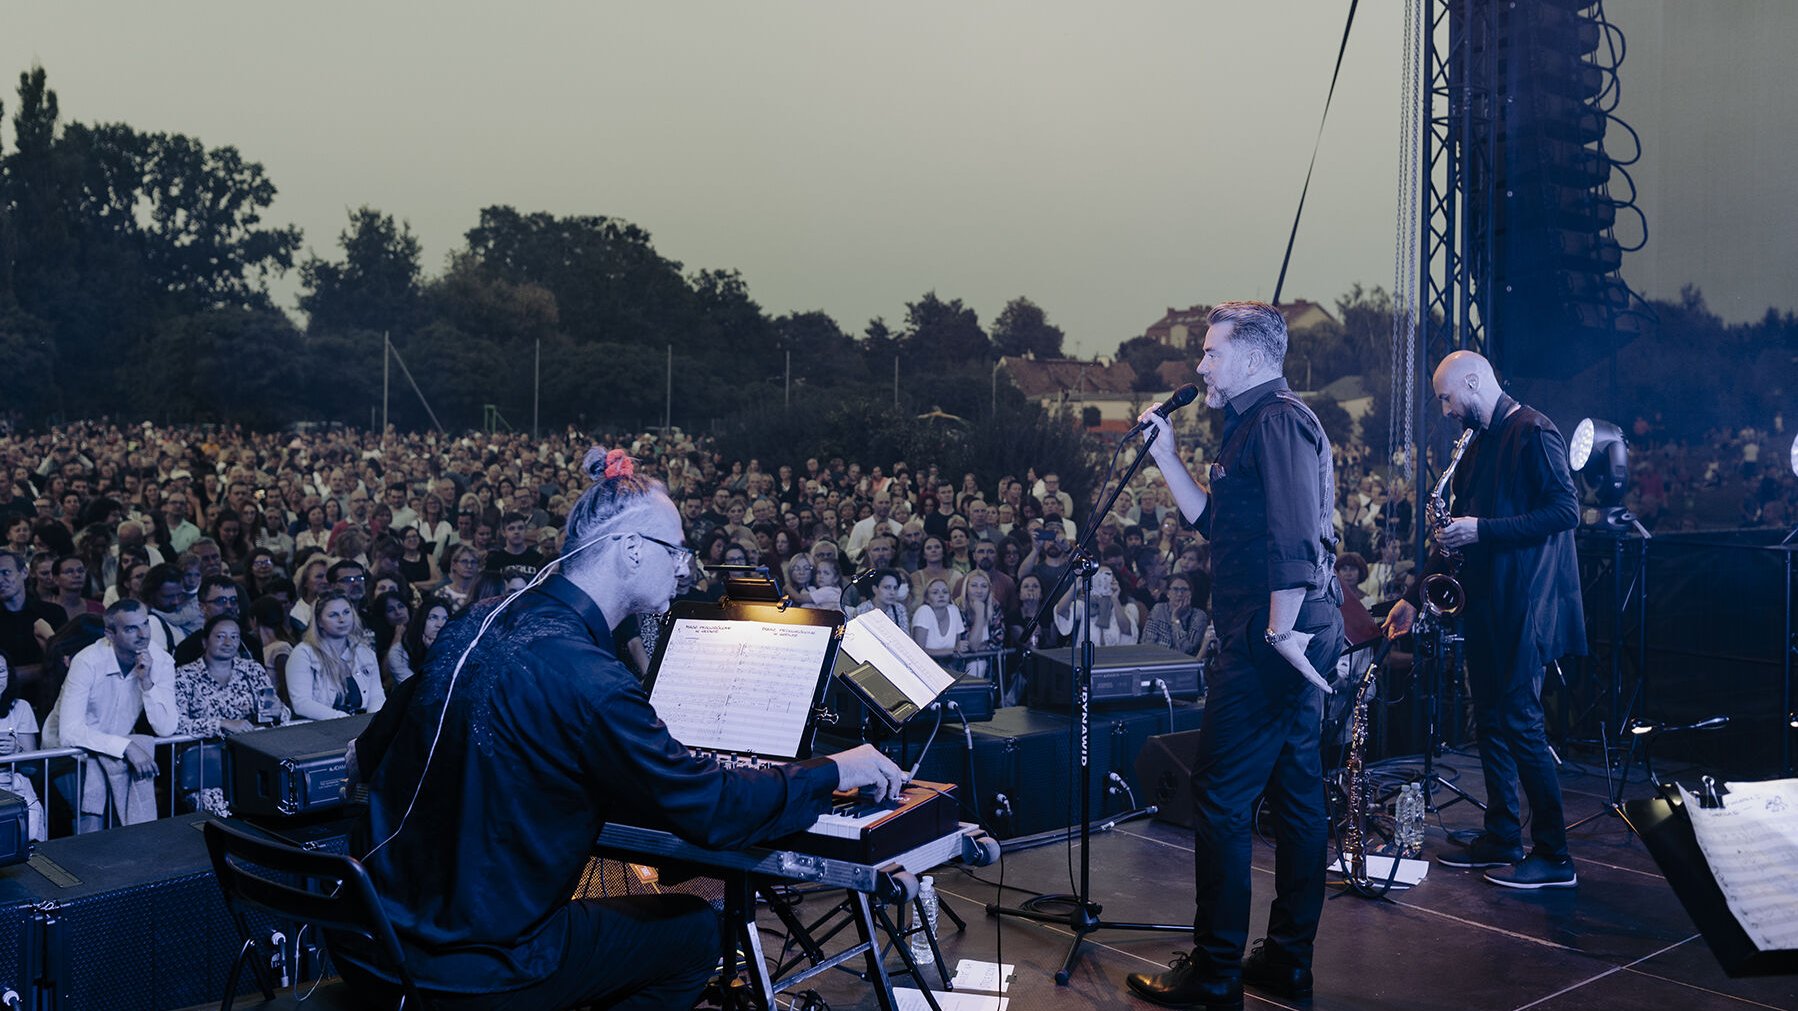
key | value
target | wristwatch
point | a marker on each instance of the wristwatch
(1275, 638)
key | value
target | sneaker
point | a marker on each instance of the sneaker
(1269, 972)
(1535, 872)
(1484, 851)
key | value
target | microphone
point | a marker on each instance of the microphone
(1182, 396)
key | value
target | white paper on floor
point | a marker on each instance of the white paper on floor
(913, 1000)
(1410, 872)
(971, 974)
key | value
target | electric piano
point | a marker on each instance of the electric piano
(870, 886)
(860, 830)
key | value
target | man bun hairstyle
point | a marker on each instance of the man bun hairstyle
(617, 488)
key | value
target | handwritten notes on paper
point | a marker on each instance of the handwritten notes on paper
(742, 686)
(1751, 844)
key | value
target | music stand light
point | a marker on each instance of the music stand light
(1650, 732)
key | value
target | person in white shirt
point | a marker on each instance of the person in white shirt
(404, 515)
(110, 684)
(1049, 487)
(331, 673)
(18, 734)
(880, 522)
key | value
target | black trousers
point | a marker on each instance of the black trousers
(636, 952)
(1505, 680)
(1260, 735)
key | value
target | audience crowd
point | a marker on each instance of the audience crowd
(163, 581)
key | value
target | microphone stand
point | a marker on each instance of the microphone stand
(1082, 917)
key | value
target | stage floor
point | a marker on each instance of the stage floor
(1620, 940)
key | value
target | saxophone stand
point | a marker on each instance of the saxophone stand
(1437, 644)
(1081, 917)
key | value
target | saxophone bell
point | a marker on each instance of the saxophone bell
(1443, 596)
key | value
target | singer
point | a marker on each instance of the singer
(1515, 509)
(1267, 514)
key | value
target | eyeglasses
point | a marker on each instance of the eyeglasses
(230, 601)
(683, 556)
(352, 579)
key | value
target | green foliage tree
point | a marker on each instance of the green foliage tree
(110, 232)
(879, 344)
(823, 355)
(201, 368)
(606, 276)
(1145, 355)
(204, 238)
(378, 285)
(25, 348)
(941, 335)
(1023, 328)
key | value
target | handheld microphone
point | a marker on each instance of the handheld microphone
(1182, 396)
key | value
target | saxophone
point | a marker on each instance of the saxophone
(1355, 794)
(1443, 596)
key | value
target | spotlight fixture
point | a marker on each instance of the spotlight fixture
(1599, 454)
(1795, 454)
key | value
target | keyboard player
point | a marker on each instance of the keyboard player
(540, 739)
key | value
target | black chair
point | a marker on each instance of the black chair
(259, 873)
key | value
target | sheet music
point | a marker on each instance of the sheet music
(1751, 844)
(871, 637)
(910, 999)
(742, 686)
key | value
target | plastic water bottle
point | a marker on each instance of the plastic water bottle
(1410, 820)
(920, 941)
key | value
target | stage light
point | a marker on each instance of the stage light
(1599, 454)
(1792, 721)
(1795, 454)
(1640, 728)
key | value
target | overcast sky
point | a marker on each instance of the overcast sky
(1105, 160)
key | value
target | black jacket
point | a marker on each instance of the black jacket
(1522, 575)
(548, 736)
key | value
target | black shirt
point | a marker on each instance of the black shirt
(1267, 519)
(17, 641)
(548, 737)
(499, 558)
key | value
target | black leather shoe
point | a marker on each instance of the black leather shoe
(1265, 971)
(1185, 985)
(1484, 851)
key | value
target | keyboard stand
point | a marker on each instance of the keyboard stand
(810, 942)
(868, 891)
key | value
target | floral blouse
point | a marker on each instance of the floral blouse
(203, 702)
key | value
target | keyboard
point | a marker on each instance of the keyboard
(857, 829)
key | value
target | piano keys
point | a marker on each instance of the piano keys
(860, 831)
